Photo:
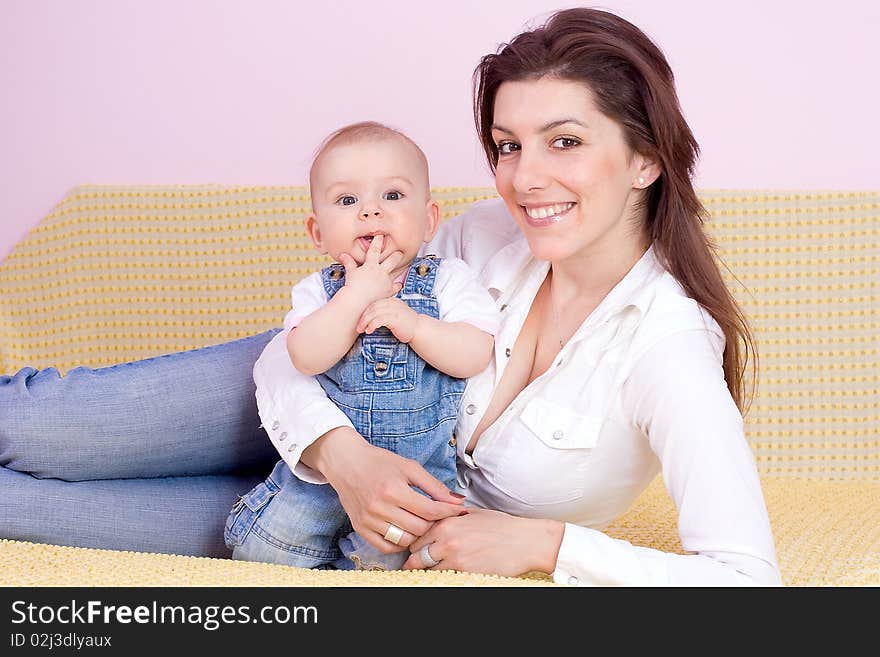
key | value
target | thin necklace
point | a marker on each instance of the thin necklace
(553, 313)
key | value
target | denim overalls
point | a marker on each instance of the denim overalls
(395, 400)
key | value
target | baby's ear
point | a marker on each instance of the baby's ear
(433, 210)
(314, 231)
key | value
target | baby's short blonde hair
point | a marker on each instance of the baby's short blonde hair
(364, 131)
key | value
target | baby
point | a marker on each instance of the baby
(389, 335)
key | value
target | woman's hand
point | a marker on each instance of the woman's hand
(375, 488)
(490, 542)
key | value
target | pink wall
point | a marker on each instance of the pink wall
(779, 94)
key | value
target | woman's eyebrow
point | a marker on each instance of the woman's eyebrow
(556, 124)
(546, 127)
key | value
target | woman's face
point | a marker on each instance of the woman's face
(565, 171)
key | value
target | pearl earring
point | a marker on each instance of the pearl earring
(641, 180)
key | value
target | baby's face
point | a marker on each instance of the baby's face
(363, 189)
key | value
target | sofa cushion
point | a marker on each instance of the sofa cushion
(121, 273)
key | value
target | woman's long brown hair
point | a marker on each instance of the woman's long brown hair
(632, 84)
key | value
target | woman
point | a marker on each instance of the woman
(620, 354)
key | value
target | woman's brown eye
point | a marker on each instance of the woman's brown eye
(565, 142)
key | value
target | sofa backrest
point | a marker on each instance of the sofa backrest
(117, 273)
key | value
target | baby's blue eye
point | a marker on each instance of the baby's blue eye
(393, 195)
(506, 147)
(346, 199)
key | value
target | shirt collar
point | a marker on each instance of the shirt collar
(506, 266)
(634, 288)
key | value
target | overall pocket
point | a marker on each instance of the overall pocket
(245, 512)
(385, 364)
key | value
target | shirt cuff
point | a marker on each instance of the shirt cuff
(588, 557)
(291, 434)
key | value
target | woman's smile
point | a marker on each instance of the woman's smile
(539, 216)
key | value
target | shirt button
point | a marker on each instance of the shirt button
(573, 580)
(503, 307)
(507, 352)
(283, 435)
(471, 409)
(275, 425)
(559, 434)
(292, 447)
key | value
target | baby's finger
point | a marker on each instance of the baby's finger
(366, 316)
(392, 260)
(375, 248)
(363, 323)
(375, 323)
(348, 262)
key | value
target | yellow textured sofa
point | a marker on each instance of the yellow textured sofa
(216, 263)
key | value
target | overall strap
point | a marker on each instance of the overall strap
(421, 276)
(419, 279)
(333, 279)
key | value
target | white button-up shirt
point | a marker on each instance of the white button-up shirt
(638, 389)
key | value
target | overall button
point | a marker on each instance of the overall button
(452, 441)
(275, 425)
(336, 274)
(381, 366)
(423, 269)
(471, 409)
(559, 434)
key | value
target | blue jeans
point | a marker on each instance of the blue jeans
(142, 456)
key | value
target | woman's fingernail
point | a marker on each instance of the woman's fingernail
(457, 495)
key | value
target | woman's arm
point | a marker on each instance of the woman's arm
(677, 395)
(294, 409)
